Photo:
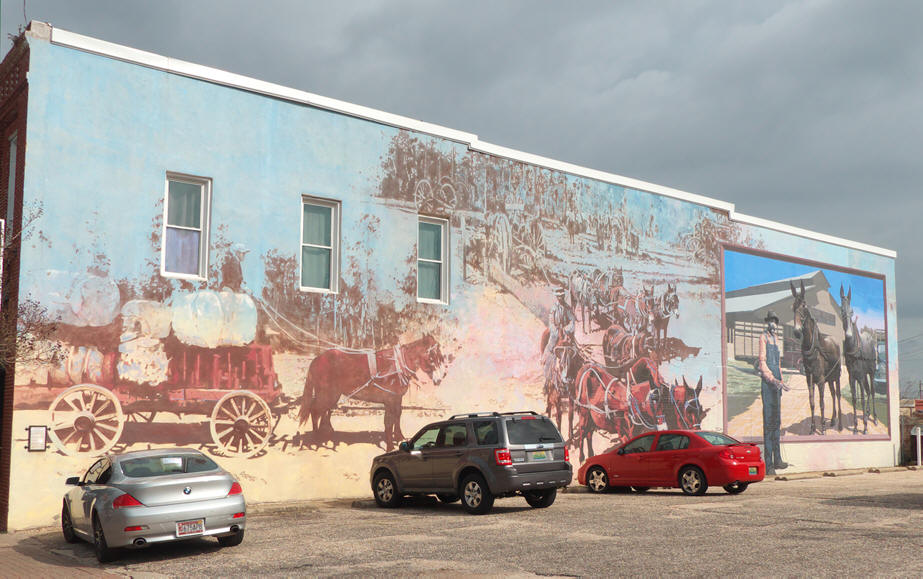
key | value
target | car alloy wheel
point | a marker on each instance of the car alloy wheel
(692, 481)
(386, 494)
(103, 553)
(67, 525)
(596, 480)
(736, 488)
(476, 497)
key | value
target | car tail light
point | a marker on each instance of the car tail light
(503, 457)
(566, 454)
(239, 515)
(235, 489)
(728, 454)
(126, 500)
(135, 528)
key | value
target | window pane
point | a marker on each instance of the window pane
(317, 224)
(429, 280)
(315, 267)
(430, 241)
(185, 205)
(182, 251)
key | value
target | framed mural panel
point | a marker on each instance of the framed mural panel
(805, 345)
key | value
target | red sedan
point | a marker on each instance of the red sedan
(688, 459)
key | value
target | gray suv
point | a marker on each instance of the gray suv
(477, 457)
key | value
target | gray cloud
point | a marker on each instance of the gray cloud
(804, 112)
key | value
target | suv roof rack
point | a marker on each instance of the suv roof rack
(532, 412)
(473, 415)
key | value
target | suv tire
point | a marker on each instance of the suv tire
(476, 497)
(541, 499)
(385, 489)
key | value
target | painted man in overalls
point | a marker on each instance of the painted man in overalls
(771, 374)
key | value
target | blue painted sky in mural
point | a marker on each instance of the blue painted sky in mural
(744, 270)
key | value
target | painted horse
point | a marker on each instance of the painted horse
(859, 350)
(664, 308)
(559, 387)
(622, 407)
(381, 377)
(682, 408)
(634, 312)
(820, 356)
(622, 348)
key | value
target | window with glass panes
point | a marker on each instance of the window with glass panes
(319, 244)
(185, 247)
(431, 263)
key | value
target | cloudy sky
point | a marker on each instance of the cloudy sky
(803, 112)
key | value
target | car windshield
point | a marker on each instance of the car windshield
(167, 464)
(531, 431)
(717, 439)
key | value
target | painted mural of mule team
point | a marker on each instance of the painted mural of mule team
(804, 345)
(624, 393)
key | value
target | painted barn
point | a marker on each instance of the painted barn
(295, 284)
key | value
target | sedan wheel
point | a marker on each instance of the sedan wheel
(232, 540)
(692, 481)
(476, 497)
(597, 480)
(386, 494)
(67, 525)
(736, 488)
(104, 553)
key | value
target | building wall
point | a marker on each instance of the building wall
(103, 134)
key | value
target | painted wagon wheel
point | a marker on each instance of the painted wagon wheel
(143, 416)
(85, 418)
(423, 193)
(447, 196)
(241, 423)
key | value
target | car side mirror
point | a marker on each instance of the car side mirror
(404, 446)
(74, 480)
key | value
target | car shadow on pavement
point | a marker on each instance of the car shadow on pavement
(910, 501)
(429, 505)
(50, 549)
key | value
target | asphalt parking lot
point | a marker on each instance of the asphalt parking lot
(852, 524)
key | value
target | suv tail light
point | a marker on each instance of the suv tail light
(126, 500)
(566, 454)
(503, 457)
(235, 489)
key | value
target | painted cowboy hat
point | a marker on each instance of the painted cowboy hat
(771, 315)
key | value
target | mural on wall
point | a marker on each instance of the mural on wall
(597, 304)
(806, 351)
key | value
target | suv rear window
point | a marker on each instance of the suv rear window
(532, 431)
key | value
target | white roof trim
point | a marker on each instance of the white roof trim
(766, 223)
(217, 76)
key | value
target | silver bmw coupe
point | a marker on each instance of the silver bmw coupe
(153, 496)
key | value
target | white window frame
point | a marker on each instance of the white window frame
(334, 246)
(444, 261)
(205, 221)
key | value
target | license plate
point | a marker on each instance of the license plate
(189, 528)
(539, 455)
(753, 470)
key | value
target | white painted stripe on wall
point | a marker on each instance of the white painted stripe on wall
(217, 76)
